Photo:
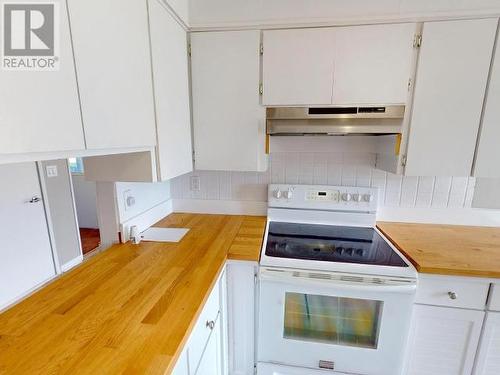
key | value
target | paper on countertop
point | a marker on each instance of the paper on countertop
(164, 234)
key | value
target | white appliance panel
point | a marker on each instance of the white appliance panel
(372, 344)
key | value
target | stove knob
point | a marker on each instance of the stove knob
(349, 251)
(368, 197)
(346, 197)
(340, 250)
(357, 197)
(288, 194)
(277, 193)
(360, 252)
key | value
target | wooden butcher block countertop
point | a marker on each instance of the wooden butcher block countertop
(447, 249)
(129, 309)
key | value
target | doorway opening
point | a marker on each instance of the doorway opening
(86, 208)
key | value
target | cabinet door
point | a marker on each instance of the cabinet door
(372, 64)
(241, 316)
(443, 340)
(171, 88)
(298, 66)
(39, 110)
(112, 58)
(450, 85)
(211, 360)
(488, 152)
(181, 367)
(26, 256)
(488, 360)
(228, 121)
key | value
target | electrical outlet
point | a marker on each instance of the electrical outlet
(129, 199)
(195, 183)
(51, 170)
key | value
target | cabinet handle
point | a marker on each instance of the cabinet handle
(210, 324)
(452, 295)
(35, 199)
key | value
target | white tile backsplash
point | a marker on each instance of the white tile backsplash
(329, 168)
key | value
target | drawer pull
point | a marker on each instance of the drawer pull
(452, 295)
(210, 324)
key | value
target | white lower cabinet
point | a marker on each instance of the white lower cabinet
(488, 359)
(206, 348)
(443, 340)
(181, 367)
(446, 325)
(241, 317)
(211, 360)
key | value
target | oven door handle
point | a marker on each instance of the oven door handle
(289, 278)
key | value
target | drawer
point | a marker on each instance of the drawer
(494, 304)
(201, 331)
(452, 292)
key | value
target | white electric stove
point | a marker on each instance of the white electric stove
(334, 294)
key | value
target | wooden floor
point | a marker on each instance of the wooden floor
(129, 309)
(91, 239)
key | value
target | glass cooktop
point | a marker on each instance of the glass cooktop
(330, 243)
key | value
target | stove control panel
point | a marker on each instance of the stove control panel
(323, 197)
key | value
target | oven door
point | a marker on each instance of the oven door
(347, 323)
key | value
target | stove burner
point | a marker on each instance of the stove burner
(330, 243)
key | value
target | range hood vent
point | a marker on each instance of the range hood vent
(337, 120)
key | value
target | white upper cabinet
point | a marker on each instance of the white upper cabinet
(228, 121)
(171, 89)
(488, 151)
(373, 64)
(342, 65)
(451, 80)
(112, 56)
(39, 110)
(298, 66)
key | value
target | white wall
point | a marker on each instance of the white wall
(215, 13)
(147, 196)
(346, 169)
(348, 161)
(85, 200)
(180, 7)
(487, 193)
(62, 213)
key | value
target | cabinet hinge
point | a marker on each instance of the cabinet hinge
(261, 48)
(410, 82)
(403, 160)
(189, 49)
(417, 41)
(261, 89)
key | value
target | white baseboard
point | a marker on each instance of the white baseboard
(146, 219)
(72, 263)
(453, 216)
(206, 206)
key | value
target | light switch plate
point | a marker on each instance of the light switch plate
(128, 199)
(51, 170)
(195, 183)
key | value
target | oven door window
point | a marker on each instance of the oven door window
(333, 320)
